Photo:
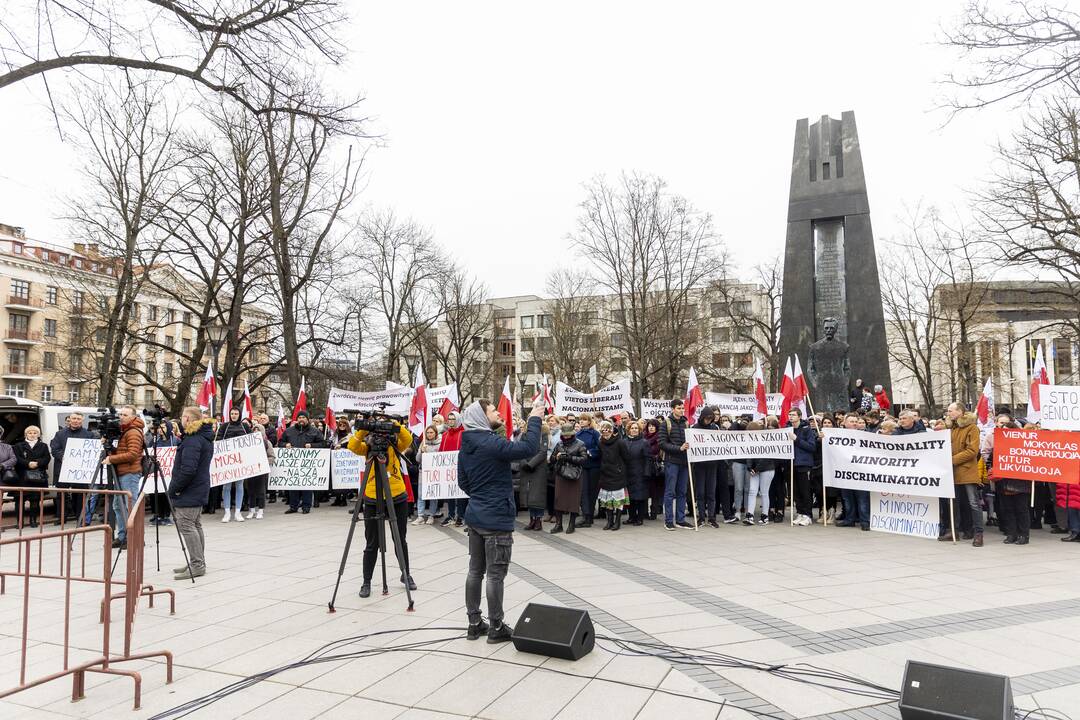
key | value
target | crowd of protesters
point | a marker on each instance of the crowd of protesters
(621, 471)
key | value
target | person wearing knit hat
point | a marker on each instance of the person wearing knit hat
(567, 459)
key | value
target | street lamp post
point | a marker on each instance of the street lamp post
(216, 332)
(411, 361)
(521, 384)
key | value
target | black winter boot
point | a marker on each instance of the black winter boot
(572, 525)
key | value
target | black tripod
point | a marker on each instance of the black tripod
(383, 501)
(104, 479)
(160, 486)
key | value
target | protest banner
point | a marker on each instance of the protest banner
(706, 445)
(347, 468)
(166, 457)
(904, 515)
(1038, 455)
(1060, 407)
(438, 476)
(81, 458)
(919, 464)
(611, 400)
(238, 458)
(300, 469)
(735, 405)
(651, 408)
(398, 400)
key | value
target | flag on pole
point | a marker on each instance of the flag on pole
(247, 412)
(301, 400)
(787, 389)
(208, 389)
(280, 420)
(506, 408)
(802, 390)
(694, 399)
(418, 413)
(226, 402)
(985, 409)
(1038, 377)
(759, 391)
(544, 391)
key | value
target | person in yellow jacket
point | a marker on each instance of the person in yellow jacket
(358, 444)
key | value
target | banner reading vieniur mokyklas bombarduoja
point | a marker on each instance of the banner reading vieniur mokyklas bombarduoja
(919, 464)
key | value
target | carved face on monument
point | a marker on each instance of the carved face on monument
(830, 328)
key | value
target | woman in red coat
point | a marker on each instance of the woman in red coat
(1068, 497)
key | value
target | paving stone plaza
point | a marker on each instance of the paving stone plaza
(835, 598)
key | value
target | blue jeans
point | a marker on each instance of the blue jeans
(426, 508)
(856, 506)
(131, 483)
(227, 493)
(676, 480)
(455, 508)
(740, 478)
(1073, 518)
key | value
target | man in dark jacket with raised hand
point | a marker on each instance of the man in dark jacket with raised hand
(190, 487)
(484, 474)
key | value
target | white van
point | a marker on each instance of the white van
(16, 414)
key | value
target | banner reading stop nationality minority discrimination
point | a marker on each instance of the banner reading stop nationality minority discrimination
(919, 464)
(1037, 455)
(706, 445)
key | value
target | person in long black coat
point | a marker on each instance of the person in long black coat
(613, 494)
(533, 475)
(31, 462)
(638, 460)
(567, 460)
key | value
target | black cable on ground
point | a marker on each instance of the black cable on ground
(677, 655)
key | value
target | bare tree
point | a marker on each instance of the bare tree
(306, 195)
(133, 176)
(1016, 50)
(404, 267)
(655, 255)
(1031, 208)
(463, 341)
(238, 49)
(759, 329)
(576, 339)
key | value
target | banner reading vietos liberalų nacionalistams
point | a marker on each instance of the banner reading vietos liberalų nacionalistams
(611, 400)
(707, 445)
(919, 464)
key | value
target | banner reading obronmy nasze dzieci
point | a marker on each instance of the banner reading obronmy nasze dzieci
(398, 400)
(300, 469)
(706, 445)
(919, 464)
(735, 405)
(611, 400)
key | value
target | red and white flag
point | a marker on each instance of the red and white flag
(208, 389)
(802, 391)
(545, 391)
(506, 408)
(1038, 377)
(247, 412)
(226, 403)
(280, 420)
(301, 401)
(694, 400)
(984, 411)
(418, 413)
(759, 391)
(787, 389)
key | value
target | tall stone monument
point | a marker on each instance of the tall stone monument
(830, 267)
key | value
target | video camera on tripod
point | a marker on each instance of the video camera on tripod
(382, 427)
(107, 422)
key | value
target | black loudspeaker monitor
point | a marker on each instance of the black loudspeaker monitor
(560, 632)
(936, 692)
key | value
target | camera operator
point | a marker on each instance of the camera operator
(301, 434)
(484, 474)
(127, 460)
(358, 444)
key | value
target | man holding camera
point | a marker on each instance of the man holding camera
(126, 459)
(484, 474)
(359, 444)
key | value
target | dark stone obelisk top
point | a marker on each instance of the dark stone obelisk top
(830, 267)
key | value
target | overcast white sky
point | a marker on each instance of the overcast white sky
(494, 114)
